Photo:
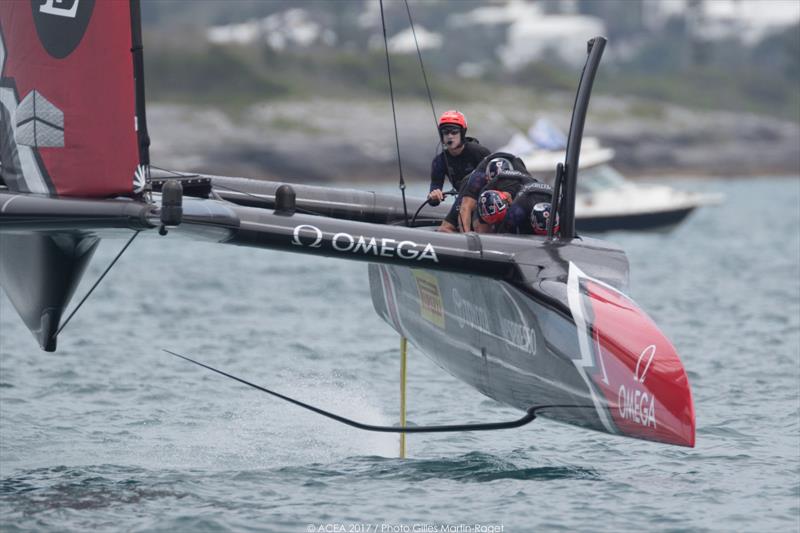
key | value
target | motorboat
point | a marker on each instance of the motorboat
(605, 199)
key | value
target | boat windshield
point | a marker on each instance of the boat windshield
(598, 178)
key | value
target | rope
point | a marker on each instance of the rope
(394, 115)
(428, 89)
(96, 283)
(422, 66)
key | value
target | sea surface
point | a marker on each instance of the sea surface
(110, 433)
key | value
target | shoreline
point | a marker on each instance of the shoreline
(346, 142)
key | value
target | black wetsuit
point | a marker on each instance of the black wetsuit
(518, 218)
(476, 182)
(456, 169)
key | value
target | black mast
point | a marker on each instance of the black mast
(567, 204)
(138, 79)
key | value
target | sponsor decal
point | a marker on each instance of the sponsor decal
(644, 362)
(38, 122)
(316, 236)
(521, 336)
(61, 24)
(637, 405)
(537, 186)
(60, 8)
(311, 237)
(512, 174)
(431, 306)
(469, 313)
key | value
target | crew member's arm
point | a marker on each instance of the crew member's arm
(469, 201)
(437, 180)
(465, 213)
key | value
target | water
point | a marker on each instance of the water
(110, 433)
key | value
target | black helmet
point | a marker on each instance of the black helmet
(539, 215)
(496, 166)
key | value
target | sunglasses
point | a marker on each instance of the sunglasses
(450, 131)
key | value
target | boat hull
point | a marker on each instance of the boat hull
(589, 350)
(636, 221)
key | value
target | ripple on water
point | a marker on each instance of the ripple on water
(80, 488)
(473, 467)
(204, 454)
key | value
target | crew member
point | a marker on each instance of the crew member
(530, 210)
(487, 170)
(460, 156)
(493, 207)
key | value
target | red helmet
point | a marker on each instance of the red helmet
(493, 206)
(453, 117)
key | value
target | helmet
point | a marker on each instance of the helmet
(496, 166)
(453, 117)
(539, 215)
(493, 206)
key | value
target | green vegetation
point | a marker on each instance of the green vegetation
(236, 76)
(184, 67)
(709, 89)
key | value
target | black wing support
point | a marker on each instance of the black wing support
(567, 204)
(21, 212)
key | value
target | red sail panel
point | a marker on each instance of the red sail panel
(68, 73)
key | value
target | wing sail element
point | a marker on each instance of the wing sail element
(72, 124)
(68, 113)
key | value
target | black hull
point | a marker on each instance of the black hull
(488, 334)
(642, 221)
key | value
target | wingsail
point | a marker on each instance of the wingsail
(68, 114)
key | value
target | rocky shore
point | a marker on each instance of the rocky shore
(332, 140)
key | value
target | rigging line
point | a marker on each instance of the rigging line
(530, 415)
(96, 283)
(428, 89)
(394, 114)
(176, 173)
(421, 64)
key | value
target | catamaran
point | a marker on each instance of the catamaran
(540, 323)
